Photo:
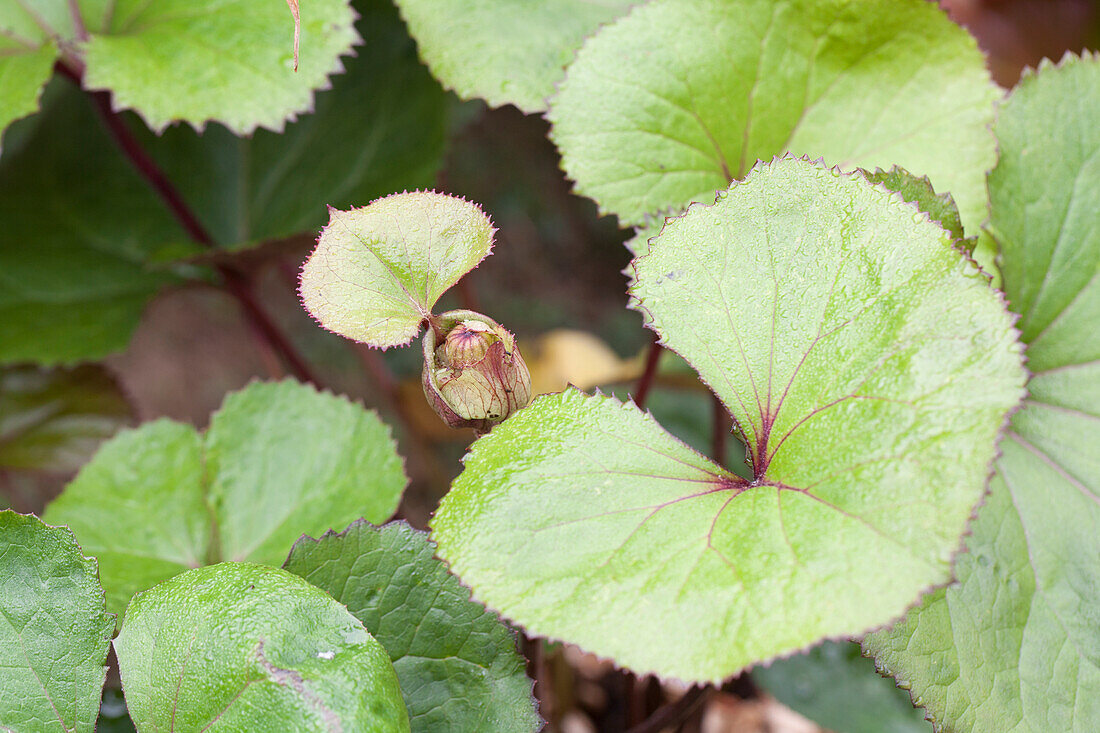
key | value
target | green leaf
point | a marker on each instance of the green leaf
(378, 270)
(457, 663)
(678, 98)
(279, 460)
(1015, 644)
(502, 50)
(868, 365)
(78, 292)
(225, 60)
(283, 460)
(835, 686)
(54, 419)
(381, 128)
(25, 67)
(939, 207)
(54, 631)
(237, 646)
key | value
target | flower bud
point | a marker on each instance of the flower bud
(474, 376)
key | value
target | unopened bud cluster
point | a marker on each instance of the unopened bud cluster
(474, 376)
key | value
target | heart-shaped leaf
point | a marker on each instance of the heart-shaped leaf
(679, 97)
(237, 646)
(869, 367)
(1015, 645)
(456, 662)
(226, 60)
(54, 629)
(378, 270)
(501, 50)
(278, 461)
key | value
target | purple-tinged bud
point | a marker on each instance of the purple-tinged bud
(476, 377)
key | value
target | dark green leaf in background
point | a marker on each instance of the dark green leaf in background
(54, 629)
(243, 647)
(457, 663)
(80, 228)
(836, 687)
(279, 460)
(1015, 645)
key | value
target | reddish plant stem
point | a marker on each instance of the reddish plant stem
(648, 373)
(672, 715)
(235, 283)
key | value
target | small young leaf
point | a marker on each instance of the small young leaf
(279, 460)
(201, 60)
(870, 368)
(54, 630)
(1015, 645)
(680, 97)
(456, 662)
(378, 270)
(237, 646)
(54, 419)
(501, 50)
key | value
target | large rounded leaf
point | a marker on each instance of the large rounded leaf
(680, 97)
(225, 60)
(457, 663)
(236, 646)
(378, 270)
(1016, 644)
(869, 367)
(279, 460)
(504, 50)
(54, 630)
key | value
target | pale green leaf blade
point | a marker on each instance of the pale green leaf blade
(74, 248)
(580, 518)
(24, 71)
(1014, 646)
(237, 646)
(836, 687)
(138, 507)
(870, 368)
(1044, 198)
(280, 460)
(285, 460)
(378, 270)
(815, 305)
(225, 60)
(54, 419)
(456, 662)
(381, 128)
(677, 99)
(504, 51)
(54, 630)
